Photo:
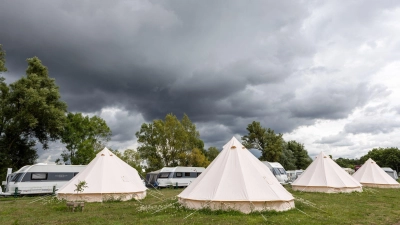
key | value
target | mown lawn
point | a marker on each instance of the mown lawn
(373, 206)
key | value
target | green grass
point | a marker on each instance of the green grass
(373, 206)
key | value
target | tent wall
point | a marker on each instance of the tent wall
(102, 197)
(381, 185)
(326, 189)
(242, 206)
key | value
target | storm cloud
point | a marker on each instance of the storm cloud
(225, 64)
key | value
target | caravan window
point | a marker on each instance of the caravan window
(15, 178)
(39, 176)
(163, 175)
(282, 171)
(60, 176)
(178, 174)
(187, 174)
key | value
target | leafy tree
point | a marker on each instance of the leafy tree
(2, 59)
(302, 159)
(384, 157)
(288, 160)
(197, 158)
(168, 142)
(31, 111)
(212, 153)
(84, 136)
(348, 163)
(270, 144)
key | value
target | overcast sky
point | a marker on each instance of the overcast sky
(323, 73)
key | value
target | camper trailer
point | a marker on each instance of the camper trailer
(278, 171)
(293, 174)
(178, 176)
(39, 178)
(392, 173)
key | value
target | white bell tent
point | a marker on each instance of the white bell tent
(107, 177)
(324, 175)
(371, 175)
(236, 180)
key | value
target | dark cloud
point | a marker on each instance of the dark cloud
(223, 64)
(334, 101)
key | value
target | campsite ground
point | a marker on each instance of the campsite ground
(373, 206)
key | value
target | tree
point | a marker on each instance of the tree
(2, 59)
(197, 158)
(31, 111)
(347, 163)
(270, 144)
(384, 157)
(287, 160)
(212, 153)
(168, 142)
(83, 136)
(302, 159)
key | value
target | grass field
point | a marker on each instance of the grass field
(373, 206)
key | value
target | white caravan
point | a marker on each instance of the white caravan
(293, 174)
(39, 178)
(392, 173)
(178, 176)
(278, 171)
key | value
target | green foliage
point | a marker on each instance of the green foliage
(384, 157)
(30, 111)
(197, 158)
(348, 163)
(84, 136)
(270, 144)
(212, 153)
(168, 142)
(292, 155)
(302, 159)
(2, 59)
(80, 186)
(288, 160)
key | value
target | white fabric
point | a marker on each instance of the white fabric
(236, 176)
(324, 175)
(106, 175)
(371, 175)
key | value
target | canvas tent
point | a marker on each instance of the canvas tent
(107, 177)
(371, 175)
(236, 180)
(324, 175)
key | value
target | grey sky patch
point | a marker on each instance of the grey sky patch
(339, 139)
(372, 126)
(286, 65)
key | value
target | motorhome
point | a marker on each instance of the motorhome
(278, 171)
(391, 172)
(178, 176)
(39, 178)
(293, 174)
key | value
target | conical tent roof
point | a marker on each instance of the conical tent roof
(237, 177)
(107, 176)
(324, 175)
(371, 175)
